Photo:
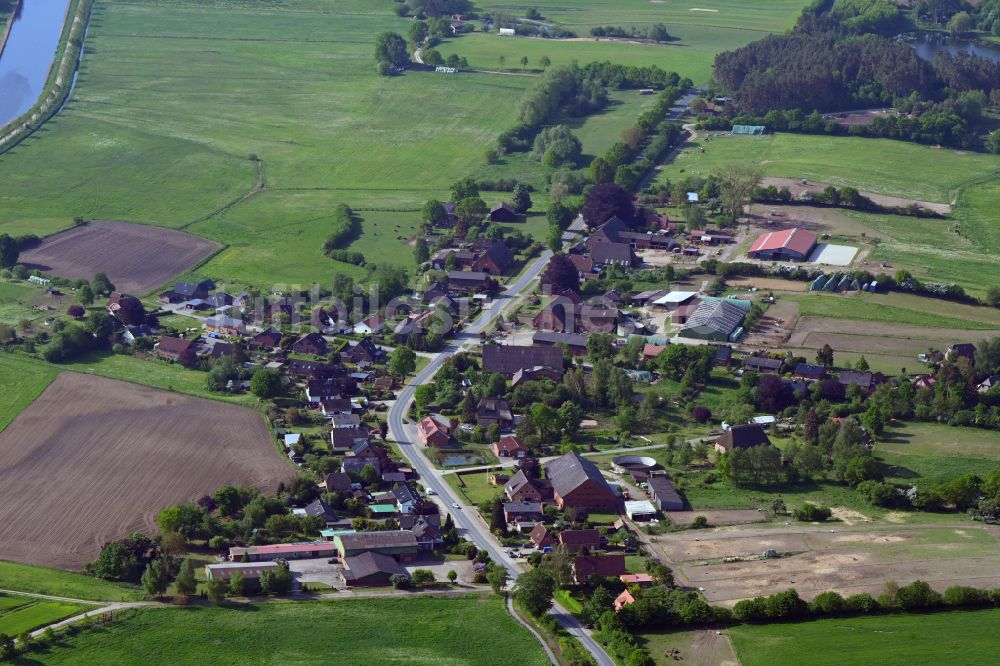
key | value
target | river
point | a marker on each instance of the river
(929, 45)
(28, 55)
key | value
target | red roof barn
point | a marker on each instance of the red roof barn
(789, 245)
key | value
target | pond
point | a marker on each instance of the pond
(928, 45)
(457, 460)
(28, 55)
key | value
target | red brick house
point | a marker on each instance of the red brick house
(510, 446)
(432, 432)
(577, 483)
(178, 350)
(495, 260)
(310, 343)
(578, 539)
(585, 566)
(503, 212)
(522, 488)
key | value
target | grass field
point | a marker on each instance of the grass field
(700, 34)
(477, 487)
(368, 631)
(21, 381)
(965, 637)
(19, 614)
(891, 309)
(59, 583)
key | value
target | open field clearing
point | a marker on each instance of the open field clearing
(136, 258)
(845, 559)
(876, 337)
(895, 308)
(931, 439)
(454, 631)
(59, 583)
(19, 614)
(953, 637)
(699, 647)
(132, 451)
(700, 33)
(21, 381)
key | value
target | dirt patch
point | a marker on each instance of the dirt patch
(137, 258)
(774, 328)
(719, 516)
(93, 458)
(796, 187)
(848, 516)
(773, 284)
(877, 337)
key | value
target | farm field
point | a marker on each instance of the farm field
(960, 637)
(897, 308)
(700, 647)
(847, 558)
(134, 450)
(702, 30)
(363, 631)
(21, 381)
(136, 258)
(19, 614)
(59, 583)
(294, 86)
(930, 248)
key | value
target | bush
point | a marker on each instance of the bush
(400, 581)
(812, 513)
(917, 595)
(861, 603)
(699, 523)
(828, 603)
(345, 228)
(961, 595)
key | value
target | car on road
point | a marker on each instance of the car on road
(431, 491)
(456, 506)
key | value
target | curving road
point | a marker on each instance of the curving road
(466, 520)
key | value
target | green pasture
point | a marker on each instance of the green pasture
(910, 312)
(959, 637)
(701, 29)
(21, 381)
(477, 488)
(874, 165)
(18, 614)
(59, 583)
(419, 630)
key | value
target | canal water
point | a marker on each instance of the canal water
(30, 50)
(929, 45)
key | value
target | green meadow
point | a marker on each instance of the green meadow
(419, 630)
(21, 380)
(59, 583)
(701, 30)
(18, 614)
(955, 637)
(911, 311)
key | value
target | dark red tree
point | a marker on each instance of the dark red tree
(605, 201)
(560, 275)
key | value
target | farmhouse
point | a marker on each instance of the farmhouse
(467, 281)
(578, 539)
(337, 482)
(368, 326)
(175, 349)
(400, 544)
(519, 511)
(345, 439)
(509, 446)
(575, 342)
(541, 538)
(434, 431)
(790, 245)
(578, 483)
(495, 260)
(249, 570)
(503, 212)
(320, 509)
(742, 436)
(714, 319)
(866, 381)
(494, 411)
(364, 350)
(808, 371)
(508, 359)
(225, 325)
(267, 340)
(962, 350)
(310, 343)
(613, 254)
(762, 364)
(522, 488)
(371, 569)
(285, 551)
(585, 566)
(126, 309)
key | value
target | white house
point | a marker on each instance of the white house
(368, 326)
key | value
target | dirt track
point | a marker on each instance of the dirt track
(137, 258)
(796, 187)
(93, 458)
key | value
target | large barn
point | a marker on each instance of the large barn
(789, 245)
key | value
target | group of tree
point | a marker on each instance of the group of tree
(656, 32)
(345, 228)
(73, 340)
(391, 53)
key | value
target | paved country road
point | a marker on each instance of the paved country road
(466, 518)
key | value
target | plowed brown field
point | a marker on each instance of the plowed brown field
(93, 458)
(137, 258)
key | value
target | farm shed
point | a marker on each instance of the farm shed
(789, 245)
(713, 320)
(749, 130)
